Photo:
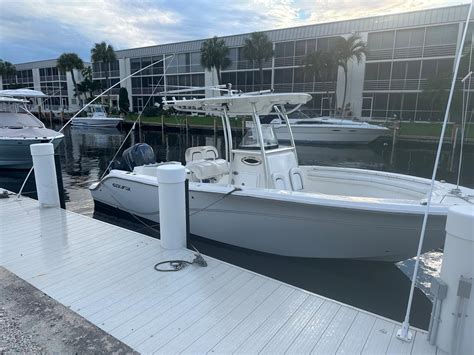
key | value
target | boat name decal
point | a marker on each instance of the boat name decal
(122, 187)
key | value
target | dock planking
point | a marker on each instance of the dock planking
(105, 274)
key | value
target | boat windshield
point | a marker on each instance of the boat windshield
(250, 139)
(98, 108)
(13, 115)
(18, 120)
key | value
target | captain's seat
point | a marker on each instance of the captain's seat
(205, 152)
(203, 164)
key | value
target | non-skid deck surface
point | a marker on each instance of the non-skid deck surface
(105, 274)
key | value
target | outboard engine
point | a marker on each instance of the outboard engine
(137, 155)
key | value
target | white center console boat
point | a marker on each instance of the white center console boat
(259, 197)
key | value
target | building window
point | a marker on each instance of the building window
(441, 35)
(436, 67)
(284, 49)
(409, 38)
(380, 40)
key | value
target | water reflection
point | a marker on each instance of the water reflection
(377, 287)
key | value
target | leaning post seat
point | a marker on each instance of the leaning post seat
(206, 152)
(203, 162)
(208, 169)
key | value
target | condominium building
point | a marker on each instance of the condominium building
(404, 51)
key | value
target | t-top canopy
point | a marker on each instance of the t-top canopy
(238, 105)
(12, 100)
(22, 93)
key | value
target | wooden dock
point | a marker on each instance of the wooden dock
(105, 273)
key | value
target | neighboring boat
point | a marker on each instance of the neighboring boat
(328, 130)
(96, 117)
(259, 197)
(19, 128)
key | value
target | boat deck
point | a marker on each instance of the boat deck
(105, 273)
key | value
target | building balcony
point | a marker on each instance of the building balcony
(379, 54)
(285, 62)
(53, 78)
(394, 84)
(101, 74)
(439, 51)
(445, 50)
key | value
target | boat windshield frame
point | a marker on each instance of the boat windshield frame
(18, 106)
(252, 105)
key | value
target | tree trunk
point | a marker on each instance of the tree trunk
(218, 71)
(107, 72)
(345, 91)
(75, 87)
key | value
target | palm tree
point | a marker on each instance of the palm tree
(88, 85)
(67, 62)
(214, 55)
(258, 48)
(320, 65)
(7, 69)
(103, 52)
(346, 51)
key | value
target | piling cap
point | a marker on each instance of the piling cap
(42, 149)
(460, 222)
(171, 174)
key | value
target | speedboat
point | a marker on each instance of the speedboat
(328, 130)
(96, 117)
(258, 196)
(18, 129)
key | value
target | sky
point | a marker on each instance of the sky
(44, 29)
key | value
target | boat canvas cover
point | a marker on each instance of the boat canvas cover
(28, 132)
(18, 120)
(239, 105)
(22, 93)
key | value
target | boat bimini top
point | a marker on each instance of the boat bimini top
(22, 93)
(240, 104)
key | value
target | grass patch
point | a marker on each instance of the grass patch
(431, 129)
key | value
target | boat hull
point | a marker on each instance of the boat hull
(15, 153)
(96, 121)
(330, 134)
(285, 228)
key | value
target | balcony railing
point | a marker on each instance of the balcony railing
(52, 78)
(379, 54)
(285, 61)
(412, 52)
(394, 84)
(439, 51)
(409, 52)
(101, 74)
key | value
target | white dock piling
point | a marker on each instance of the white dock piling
(172, 204)
(457, 313)
(45, 174)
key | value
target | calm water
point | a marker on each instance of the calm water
(378, 287)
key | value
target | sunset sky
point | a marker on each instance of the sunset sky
(43, 29)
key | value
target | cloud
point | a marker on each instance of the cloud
(43, 29)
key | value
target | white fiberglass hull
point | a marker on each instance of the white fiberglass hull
(96, 121)
(288, 223)
(330, 133)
